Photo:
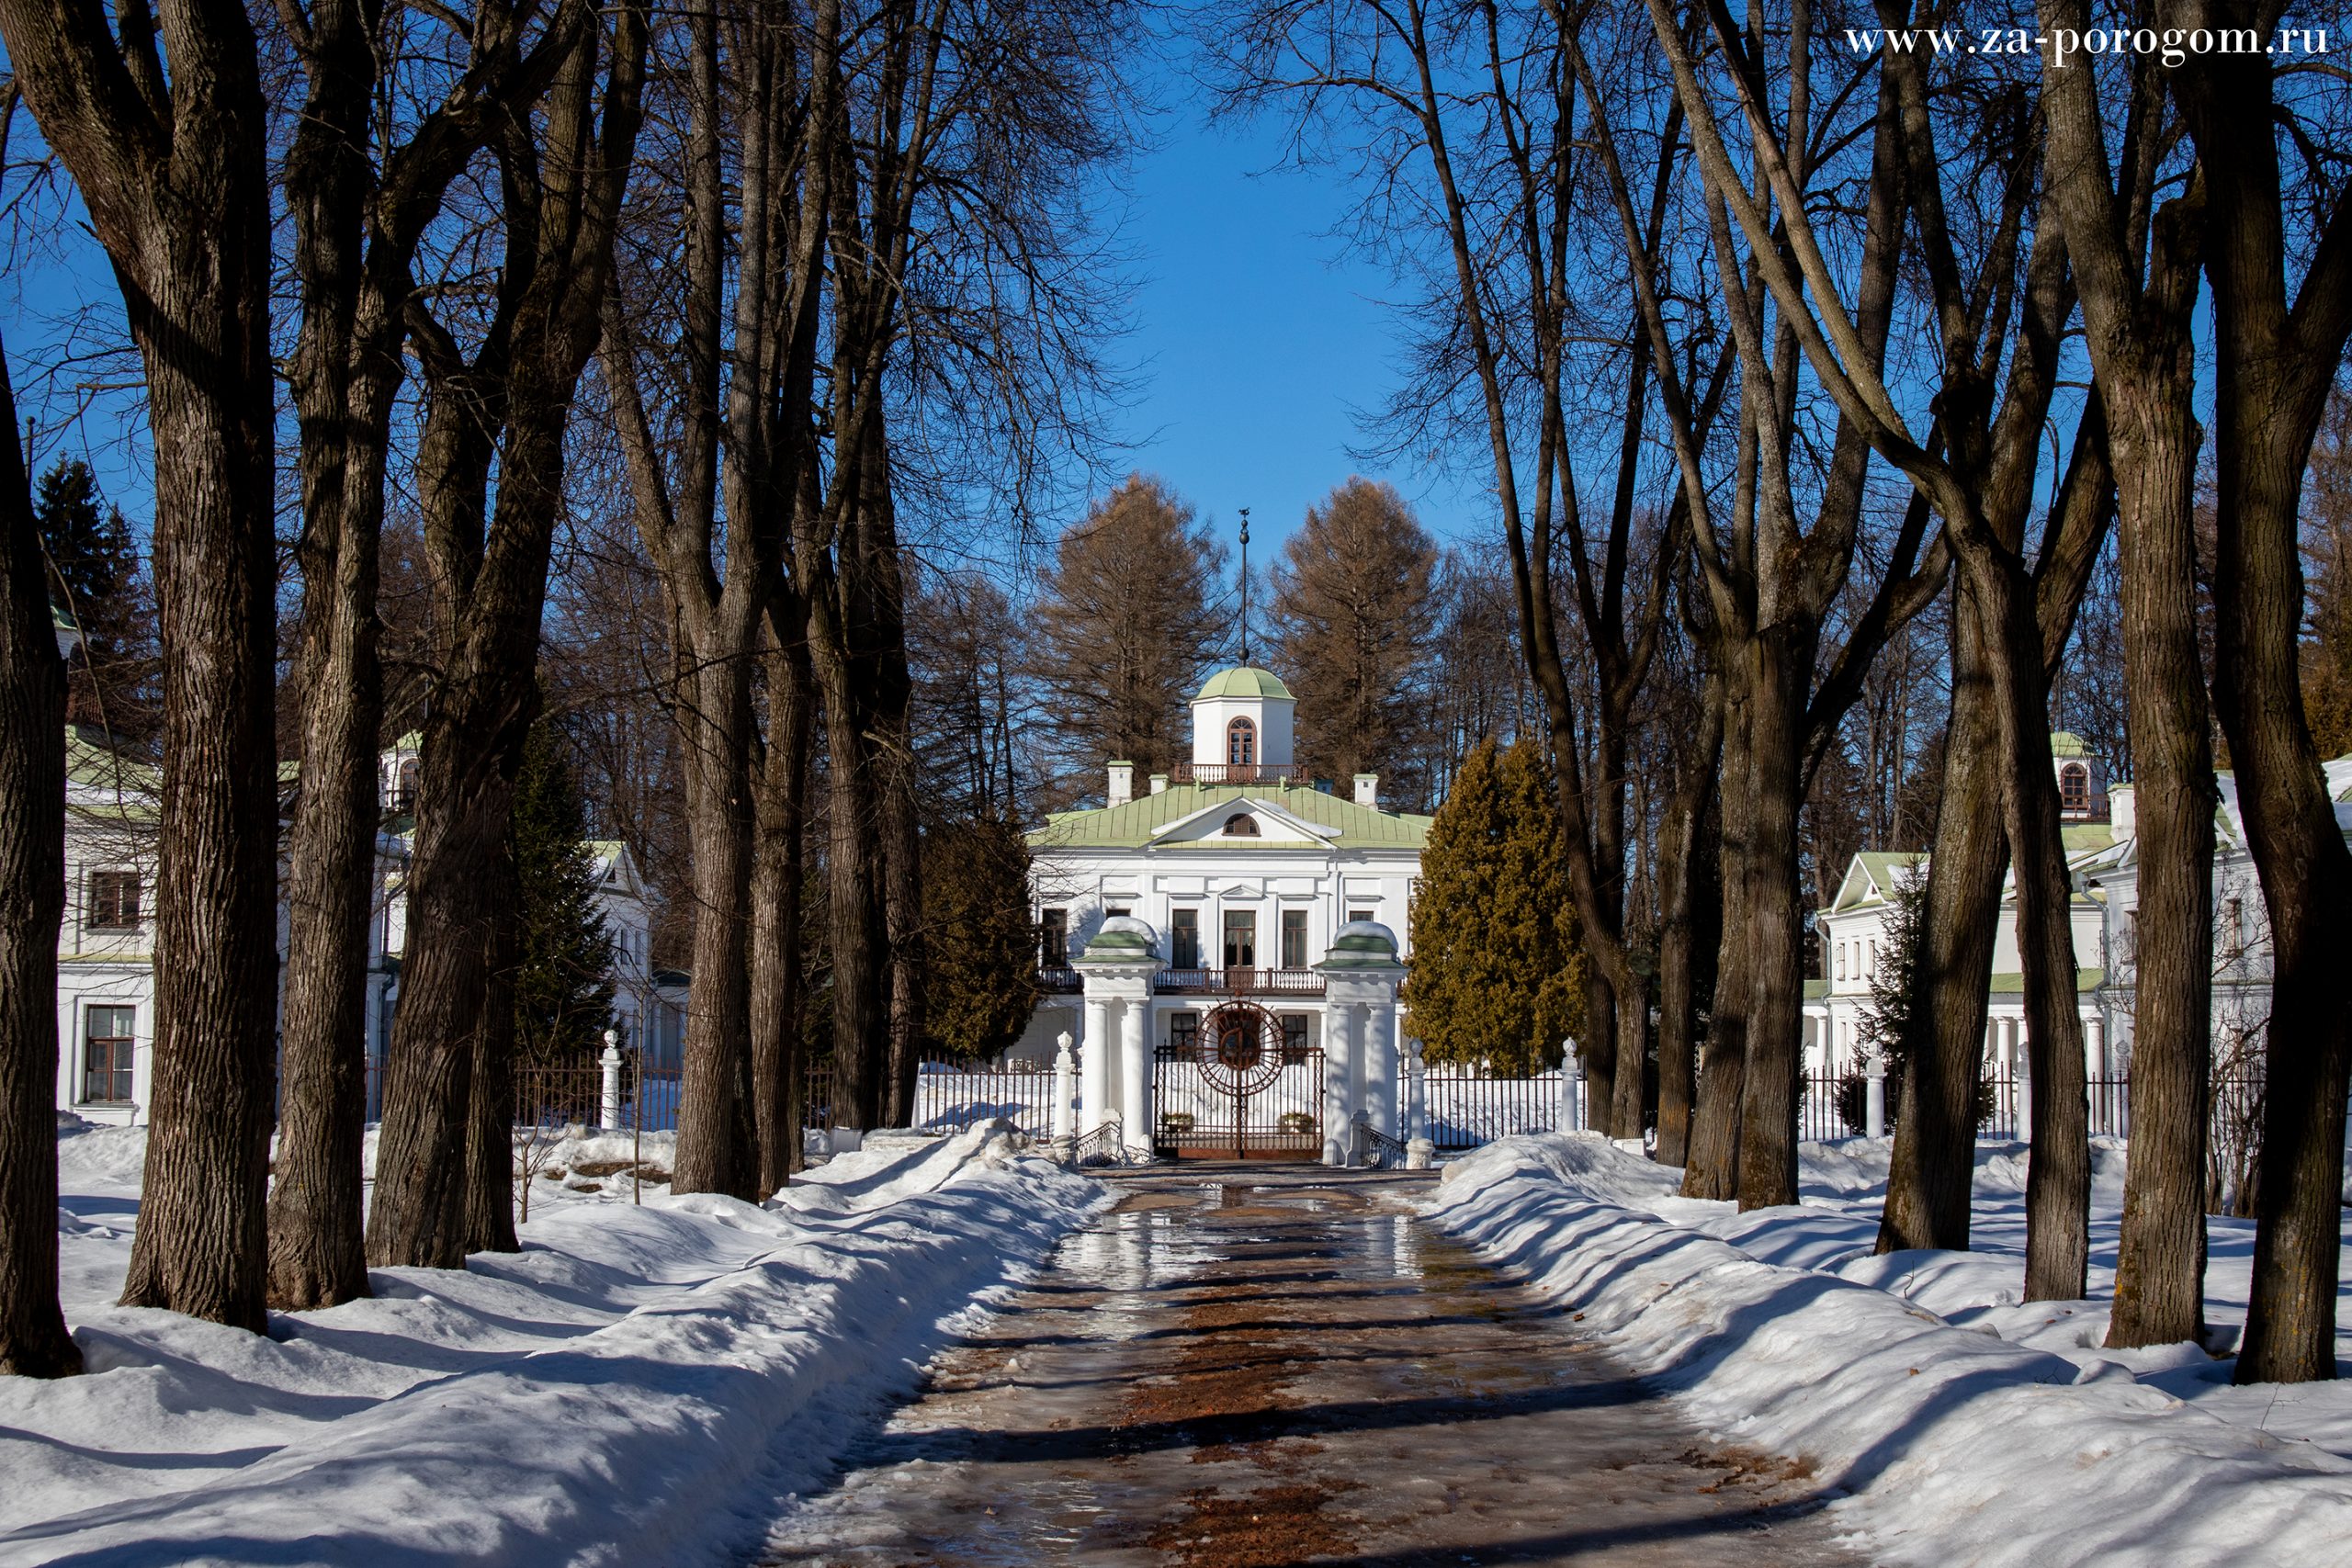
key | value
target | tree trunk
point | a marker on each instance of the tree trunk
(2058, 1181)
(202, 326)
(2160, 1260)
(853, 902)
(1597, 1047)
(1679, 856)
(779, 872)
(1767, 1112)
(490, 1123)
(903, 909)
(717, 1150)
(33, 1342)
(1714, 1168)
(1934, 1168)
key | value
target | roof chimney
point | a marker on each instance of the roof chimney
(1123, 784)
(1368, 790)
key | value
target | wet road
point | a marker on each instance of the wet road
(1267, 1365)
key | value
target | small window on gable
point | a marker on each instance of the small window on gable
(1241, 825)
(114, 900)
(2075, 787)
(1242, 743)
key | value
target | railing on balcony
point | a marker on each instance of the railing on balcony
(1229, 773)
(1240, 982)
(1058, 979)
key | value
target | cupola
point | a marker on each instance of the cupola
(1241, 728)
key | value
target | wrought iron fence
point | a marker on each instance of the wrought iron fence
(949, 1097)
(1468, 1108)
(1833, 1105)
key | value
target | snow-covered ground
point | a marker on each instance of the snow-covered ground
(1956, 1426)
(641, 1383)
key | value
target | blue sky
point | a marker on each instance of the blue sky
(1258, 338)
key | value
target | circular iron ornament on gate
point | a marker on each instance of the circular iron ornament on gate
(1240, 1048)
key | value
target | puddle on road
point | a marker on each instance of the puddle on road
(1268, 1367)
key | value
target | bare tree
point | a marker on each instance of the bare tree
(2137, 264)
(563, 179)
(769, 98)
(172, 166)
(355, 233)
(33, 1342)
(2279, 349)
(1354, 611)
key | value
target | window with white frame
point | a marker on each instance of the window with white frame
(108, 1047)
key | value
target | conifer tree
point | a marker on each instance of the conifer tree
(563, 957)
(1127, 628)
(1497, 974)
(94, 577)
(980, 983)
(1353, 612)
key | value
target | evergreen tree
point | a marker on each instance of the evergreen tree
(1355, 610)
(563, 957)
(980, 983)
(1125, 629)
(94, 577)
(1496, 972)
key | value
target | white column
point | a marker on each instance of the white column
(1416, 1092)
(1338, 1051)
(1874, 1096)
(2095, 1068)
(1380, 1066)
(1571, 1088)
(1065, 1085)
(1095, 1067)
(2025, 1082)
(1135, 1079)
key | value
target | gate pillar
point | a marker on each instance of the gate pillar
(1116, 970)
(1361, 974)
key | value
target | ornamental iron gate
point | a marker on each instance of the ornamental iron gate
(1233, 1090)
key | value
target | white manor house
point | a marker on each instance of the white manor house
(105, 973)
(1229, 928)
(2102, 856)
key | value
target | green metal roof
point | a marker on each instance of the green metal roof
(2066, 743)
(1142, 819)
(2080, 836)
(2013, 984)
(1245, 680)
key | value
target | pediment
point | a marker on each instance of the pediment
(1275, 827)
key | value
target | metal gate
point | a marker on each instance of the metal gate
(1234, 1092)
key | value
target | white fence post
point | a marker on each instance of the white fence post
(1419, 1152)
(1065, 1085)
(1875, 1096)
(608, 1108)
(1572, 1109)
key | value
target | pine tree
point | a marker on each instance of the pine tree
(94, 577)
(1497, 974)
(1354, 611)
(563, 969)
(1126, 629)
(981, 984)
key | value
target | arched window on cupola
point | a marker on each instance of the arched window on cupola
(1242, 743)
(2075, 787)
(1241, 825)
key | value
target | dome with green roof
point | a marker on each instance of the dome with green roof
(1245, 680)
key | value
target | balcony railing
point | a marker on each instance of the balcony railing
(1239, 982)
(1058, 979)
(1227, 773)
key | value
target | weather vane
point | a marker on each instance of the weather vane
(1245, 585)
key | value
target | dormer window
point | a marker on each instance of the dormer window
(1241, 825)
(2075, 787)
(1241, 745)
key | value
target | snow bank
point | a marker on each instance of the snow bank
(641, 1383)
(1950, 1445)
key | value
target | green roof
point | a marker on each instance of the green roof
(1142, 819)
(2066, 743)
(1245, 680)
(2013, 984)
(2080, 836)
